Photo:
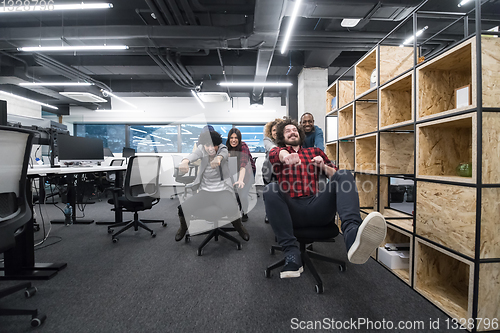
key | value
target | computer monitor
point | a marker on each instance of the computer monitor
(108, 152)
(128, 152)
(79, 149)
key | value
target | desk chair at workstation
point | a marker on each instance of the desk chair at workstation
(141, 192)
(15, 213)
(217, 231)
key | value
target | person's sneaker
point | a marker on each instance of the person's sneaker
(369, 236)
(244, 218)
(293, 267)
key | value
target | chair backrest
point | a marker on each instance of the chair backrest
(142, 178)
(15, 149)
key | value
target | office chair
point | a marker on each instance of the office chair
(217, 231)
(141, 192)
(306, 237)
(185, 179)
(15, 212)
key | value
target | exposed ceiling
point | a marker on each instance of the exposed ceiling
(177, 45)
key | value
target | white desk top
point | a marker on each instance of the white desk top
(72, 170)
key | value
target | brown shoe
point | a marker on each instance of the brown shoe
(182, 229)
(241, 229)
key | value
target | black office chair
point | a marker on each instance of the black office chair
(186, 178)
(15, 212)
(305, 237)
(141, 191)
(217, 231)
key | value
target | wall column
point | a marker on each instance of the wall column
(312, 86)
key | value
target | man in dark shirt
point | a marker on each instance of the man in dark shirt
(314, 134)
(297, 201)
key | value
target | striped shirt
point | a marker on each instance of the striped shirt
(211, 180)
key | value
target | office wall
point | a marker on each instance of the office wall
(179, 110)
(22, 108)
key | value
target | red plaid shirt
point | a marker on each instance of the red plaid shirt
(301, 180)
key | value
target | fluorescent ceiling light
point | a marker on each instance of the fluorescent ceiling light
(197, 98)
(109, 93)
(85, 97)
(120, 111)
(255, 84)
(51, 7)
(349, 23)
(410, 39)
(29, 100)
(73, 48)
(290, 26)
(54, 84)
(463, 3)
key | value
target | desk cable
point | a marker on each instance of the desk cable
(46, 234)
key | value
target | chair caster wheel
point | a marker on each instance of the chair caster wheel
(38, 320)
(187, 239)
(238, 247)
(271, 251)
(164, 224)
(153, 235)
(36, 228)
(30, 292)
(110, 231)
(267, 273)
(198, 252)
(319, 289)
(115, 240)
(342, 268)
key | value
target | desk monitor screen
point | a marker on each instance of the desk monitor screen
(128, 152)
(108, 152)
(75, 148)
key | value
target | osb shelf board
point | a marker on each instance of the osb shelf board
(404, 224)
(363, 70)
(443, 144)
(331, 93)
(490, 226)
(446, 214)
(438, 79)
(403, 274)
(346, 92)
(366, 153)
(331, 151)
(370, 94)
(389, 213)
(490, 50)
(396, 153)
(396, 102)
(394, 60)
(489, 292)
(346, 121)
(444, 278)
(491, 148)
(366, 117)
(346, 155)
(367, 191)
(399, 127)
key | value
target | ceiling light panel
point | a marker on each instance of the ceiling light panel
(83, 96)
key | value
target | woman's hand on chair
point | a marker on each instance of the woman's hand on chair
(239, 184)
(184, 167)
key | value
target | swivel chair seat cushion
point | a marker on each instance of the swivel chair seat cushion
(316, 233)
(133, 206)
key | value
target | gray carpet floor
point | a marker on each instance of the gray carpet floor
(144, 284)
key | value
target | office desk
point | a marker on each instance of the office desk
(71, 173)
(19, 262)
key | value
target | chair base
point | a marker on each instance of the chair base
(37, 318)
(136, 223)
(307, 254)
(214, 234)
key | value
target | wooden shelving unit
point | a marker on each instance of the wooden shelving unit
(410, 126)
(331, 95)
(331, 151)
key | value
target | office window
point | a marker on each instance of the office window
(253, 136)
(153, 138)
(191, 132)
(113, 136)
